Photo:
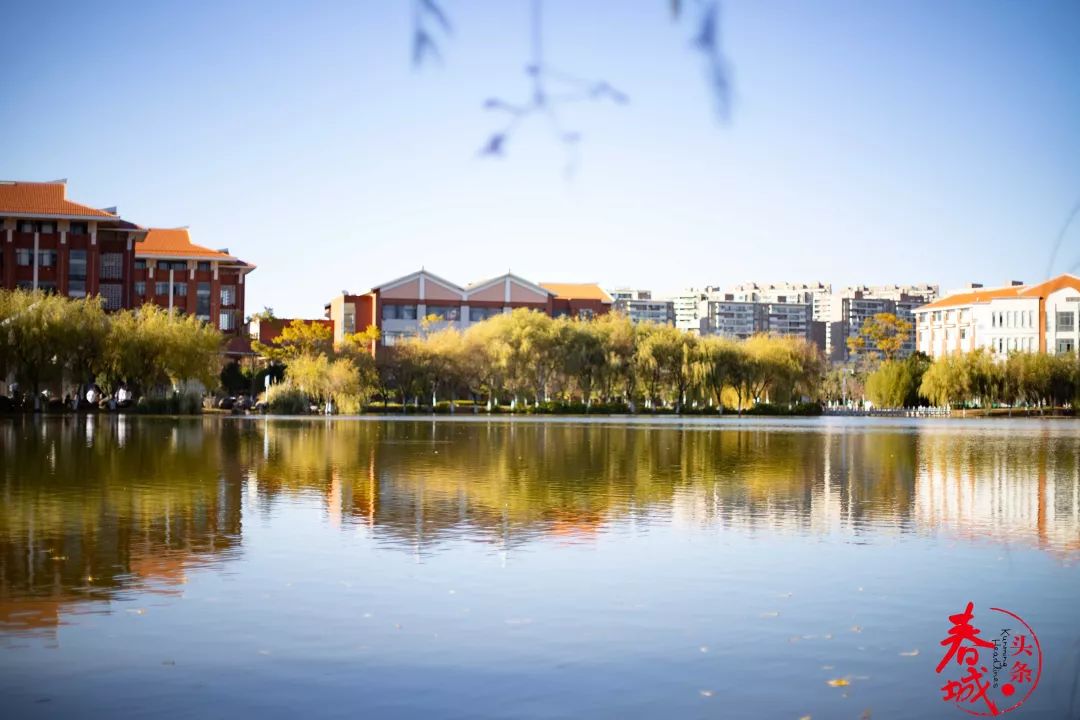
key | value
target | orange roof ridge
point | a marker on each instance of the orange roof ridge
(176, 242)
(44, 199)
(983, 295)
(577, 291)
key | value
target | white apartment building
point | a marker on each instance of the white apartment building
(853, 306)
(1017, 317)
(639, 306)
(690, 307)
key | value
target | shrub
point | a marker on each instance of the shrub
(287, 400)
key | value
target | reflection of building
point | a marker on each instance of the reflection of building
(401, 308)
(87, 539)
(51, 243)
(175, 273)
(1028, 318)
(1031, 496)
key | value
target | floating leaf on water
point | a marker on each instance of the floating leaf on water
(704, 648)
(910, 653)
(865, 714)
(828, 636)
(770, 614)
(805, 717)
(838, 682)
(264, 652)
(706, 693)
(856, 628)
(827, 667)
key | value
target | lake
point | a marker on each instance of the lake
(476, 568)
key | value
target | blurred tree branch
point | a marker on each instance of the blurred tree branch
(552, 88)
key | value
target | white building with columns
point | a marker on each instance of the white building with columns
(1017, 317)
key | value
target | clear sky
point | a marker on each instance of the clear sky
(872, 142)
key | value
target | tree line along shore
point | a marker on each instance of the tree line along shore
(522, 361)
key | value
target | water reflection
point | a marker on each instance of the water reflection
(95, 510)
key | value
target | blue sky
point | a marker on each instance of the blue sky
(868, 142)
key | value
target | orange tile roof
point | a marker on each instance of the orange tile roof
(984, 295)
(577, 291)
(1052, 285)
(176, 242)
(980, 295)
(43, 199)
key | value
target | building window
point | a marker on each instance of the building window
(26, 226)
(399, 312)
(179, 290)
(112, 266)
(77, 264)
(225, 321)
(77, 273)
(1065, 346)
(140, 288)
(963, 333)
(47, 228)
(444, 312)
(202, 301)
(203, 266)
(161, 288)
(586, 314)
(478, 314)
(140, 264)
(228, 295)
(23, 256)
(77, 228)
(1066, 321)
(112, 294)
(47, 258)
(937, 316)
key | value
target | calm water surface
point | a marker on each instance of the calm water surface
(383, 568)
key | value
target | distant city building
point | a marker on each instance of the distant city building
(1016, 317)
(403, 307)
(691, 309)
(743, 319)
(639, 306)
(853, 306)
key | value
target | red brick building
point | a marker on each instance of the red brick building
(175, 273)
(580, 300)
(398, 307)
(53, 244)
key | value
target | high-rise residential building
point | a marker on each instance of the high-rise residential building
(53, 244)
(175, 273)
(741, 319)
(639, 306)
(691, 308)
(853, 306)
(1016, 317)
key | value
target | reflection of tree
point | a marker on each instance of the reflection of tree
(94, 508)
